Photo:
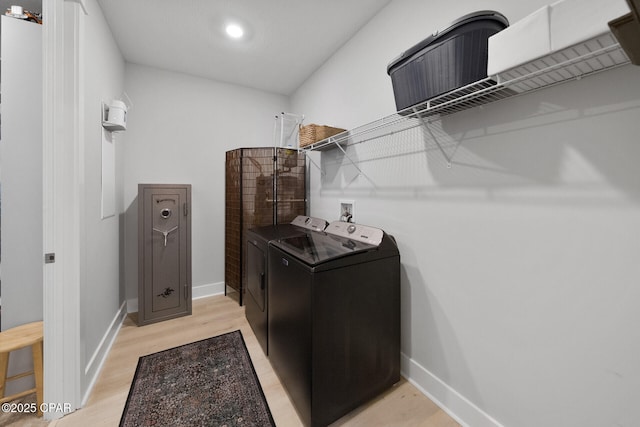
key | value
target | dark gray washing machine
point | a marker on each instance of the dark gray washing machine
(256, 299)
(334, 318)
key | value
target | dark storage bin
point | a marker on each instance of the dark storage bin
(447, 60)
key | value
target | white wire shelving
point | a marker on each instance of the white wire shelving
(592, 56)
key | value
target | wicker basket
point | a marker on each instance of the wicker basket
(313, 133)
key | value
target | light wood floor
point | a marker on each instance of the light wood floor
(403, 405)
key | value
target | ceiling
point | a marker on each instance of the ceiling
(286, 40)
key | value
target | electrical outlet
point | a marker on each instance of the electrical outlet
(347, 211)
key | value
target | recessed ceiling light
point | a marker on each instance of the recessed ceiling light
(234, 31)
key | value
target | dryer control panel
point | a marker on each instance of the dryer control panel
(309, 222)
(361, 233)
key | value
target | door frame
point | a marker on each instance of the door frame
(62, 172)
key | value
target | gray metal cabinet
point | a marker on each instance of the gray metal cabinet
(164, 252)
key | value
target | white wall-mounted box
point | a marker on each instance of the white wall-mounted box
(574, 21)
(522, 41)
(550, 29)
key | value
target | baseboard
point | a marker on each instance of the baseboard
(132, 305)
(207, 290)
(200, 291)
(98, 358)
(448, 399)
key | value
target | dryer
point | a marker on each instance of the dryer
(334, 318)
(256, 285)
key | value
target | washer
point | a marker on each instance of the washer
(256, 302)
(334, 318)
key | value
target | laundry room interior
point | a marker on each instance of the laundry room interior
(496, 223)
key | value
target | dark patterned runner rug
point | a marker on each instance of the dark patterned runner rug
(206, 383)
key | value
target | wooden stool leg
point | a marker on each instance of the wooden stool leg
(4, 363)
(38, 373)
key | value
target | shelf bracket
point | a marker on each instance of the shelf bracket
(425, 125)
(306, 154)
(351, 161)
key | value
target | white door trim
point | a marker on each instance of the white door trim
(62, 167)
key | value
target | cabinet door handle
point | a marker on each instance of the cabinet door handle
(262, 284)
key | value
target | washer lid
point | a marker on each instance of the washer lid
(317, 247)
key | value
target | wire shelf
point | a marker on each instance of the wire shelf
(592, 56)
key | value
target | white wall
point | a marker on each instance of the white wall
(22, 254)
(101, 285)
(520, 262)
(178, 132)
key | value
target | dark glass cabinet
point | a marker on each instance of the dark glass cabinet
(263, 186)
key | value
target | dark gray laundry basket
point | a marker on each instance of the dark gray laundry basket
(448, 59)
